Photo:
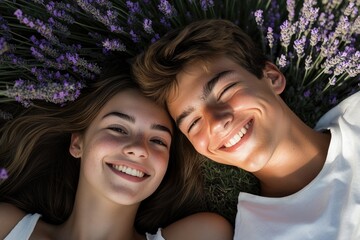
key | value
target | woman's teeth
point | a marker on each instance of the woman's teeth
(129, 171)
(237, 137)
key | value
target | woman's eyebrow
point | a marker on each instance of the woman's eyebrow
(161, 128)
(131, 119)
(121, 115)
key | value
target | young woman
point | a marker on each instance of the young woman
(106, 166)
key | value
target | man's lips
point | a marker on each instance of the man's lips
(236, 138)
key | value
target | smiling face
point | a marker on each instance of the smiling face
(228, 114)
(125, 150)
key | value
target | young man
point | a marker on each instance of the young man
(224, 96)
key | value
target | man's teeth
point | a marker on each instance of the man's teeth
(129, 171)
(237, 137)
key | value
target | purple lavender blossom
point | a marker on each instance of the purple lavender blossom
(299, 45)
(59, 10)
(205, 4)
(37, 24)
(286, 32)
(270, 37)
(134, 7)
(290, 7)
(114, 45)
(155, 38)
(315, 37)
(167, 9)
(259, 17)
(282, 62)
(148, 26)
(103, 14)
(3, 174)
(57, 92)
(307, 93)
(134, 37)
(165, 22)
(332, 81)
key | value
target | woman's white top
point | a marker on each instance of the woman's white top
(25, 227)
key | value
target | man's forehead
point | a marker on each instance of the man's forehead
(202, 64)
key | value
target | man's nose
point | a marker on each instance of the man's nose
(218, 118)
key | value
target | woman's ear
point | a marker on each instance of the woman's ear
(276, 79)
(75, 148)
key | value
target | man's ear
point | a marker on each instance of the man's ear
(75, 148)
(275, 77)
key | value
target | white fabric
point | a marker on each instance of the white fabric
(157, 236)
(329, 207)
(24, 228)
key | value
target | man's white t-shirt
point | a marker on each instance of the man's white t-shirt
(327, 208)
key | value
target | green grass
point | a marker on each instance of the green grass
(222, 186)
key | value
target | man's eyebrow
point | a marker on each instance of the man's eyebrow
(208, 87)
(183, 115)
(131, 119)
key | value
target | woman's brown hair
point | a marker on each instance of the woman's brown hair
(43, 176)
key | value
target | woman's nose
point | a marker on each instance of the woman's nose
(136, 148)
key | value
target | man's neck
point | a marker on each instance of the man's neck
(296, 168)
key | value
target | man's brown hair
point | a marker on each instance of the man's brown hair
(157, 67)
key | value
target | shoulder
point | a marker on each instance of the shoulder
(9, 217)
(347, 109)
(205, 225)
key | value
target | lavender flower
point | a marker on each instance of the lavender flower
(205, 4)
(134, 7)
(3, 174)
(315, 37)
(286, 33)
(290, 7)
(37, 24)
(135, 38)
(299, 45)
(167, 9)
(114, 45)
(270, 37)
(103, 14)
(56, 92)
(307, 93)
(282, 62)
(259, 17)
(148, 26)
(60, 10)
